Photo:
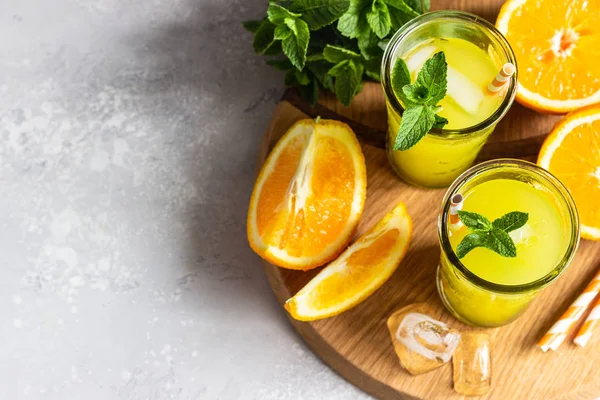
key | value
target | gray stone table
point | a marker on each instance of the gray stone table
(128, 137)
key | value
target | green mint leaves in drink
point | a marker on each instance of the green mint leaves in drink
(491, 235)
(419, 99)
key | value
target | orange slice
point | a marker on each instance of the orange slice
(358, 272)
(556, 45)
(309, 195)
(572, 153)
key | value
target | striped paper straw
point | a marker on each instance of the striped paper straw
(456, 204)
(585, 332)
(502, 78)
(559, 331)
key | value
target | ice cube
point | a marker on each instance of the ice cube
(525, 235)
(421, 342)
(427, 336)
(472, 364)
(416, 60)
(464, 92)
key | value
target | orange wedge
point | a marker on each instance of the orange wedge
(572, 153)
(309, 195)
(358, 272)
(556, 46)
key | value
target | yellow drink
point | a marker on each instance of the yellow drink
(540, 243)
(467, 65)
(484, 288)
(472, 113)
(436, 161)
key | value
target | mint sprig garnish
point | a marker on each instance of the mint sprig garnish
(419, 99)
(491, 235)
(330, 44)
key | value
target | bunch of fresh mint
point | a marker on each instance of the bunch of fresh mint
(330, 44)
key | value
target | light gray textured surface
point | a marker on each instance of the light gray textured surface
(128, 138)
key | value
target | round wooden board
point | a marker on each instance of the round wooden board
(357, 344)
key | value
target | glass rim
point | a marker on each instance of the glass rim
(549, 180)
(406, 30)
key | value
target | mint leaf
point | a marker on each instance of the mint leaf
(373, 74)
(348, 25)
(294, 36)
(398, 18)
(416, 93)
(282, 32)
(420, 6)
(474, 221)
(296, 25)
(416, 122)
(400, 78)
(440, 122)
(348, 79)
(511, 221)
(494, 239)
(501, 243)
(252, 25)
(278, 14)
(310, 92)
(274, 49)
(382, 44)
(419, 99)
(339, 68)
(320, 13)
(264, 37)
(368, 45)
(354, 22)
(302, 78)
(433, 77)
(373, 69)
(471, 241)
(402, 6)
(328, 83)
(282, 65)
(493, 236)
(378, 18)
(320, 69)
(315, 57)
(335, 54)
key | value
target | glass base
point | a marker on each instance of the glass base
(411, 182)
(440, 288)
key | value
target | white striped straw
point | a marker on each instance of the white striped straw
(456, 204)
(561, 328)
(502, 78)
(592, 320)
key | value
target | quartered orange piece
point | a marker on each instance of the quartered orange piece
(572, 153)
(357, 272)
(309, 195)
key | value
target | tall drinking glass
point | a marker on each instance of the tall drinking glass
(484, 288)
(475, 51)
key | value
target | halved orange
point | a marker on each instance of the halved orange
(309, 195)
(556, 46)
(572, 153)
(357, 272)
